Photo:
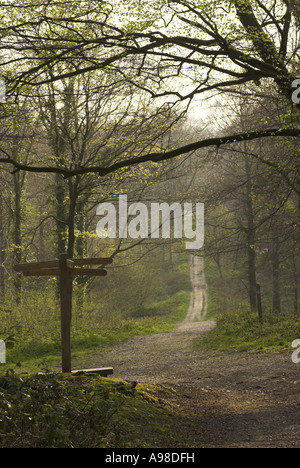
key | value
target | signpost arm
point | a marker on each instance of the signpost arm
(65, 269)
(66, 311)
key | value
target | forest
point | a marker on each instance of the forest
(168, 101)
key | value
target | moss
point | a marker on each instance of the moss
(86, 411)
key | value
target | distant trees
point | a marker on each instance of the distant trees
(258, 187)
(17, 142)
(89, 120)
(84, 121)
(104, 84)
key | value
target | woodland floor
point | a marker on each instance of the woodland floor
(234, 400)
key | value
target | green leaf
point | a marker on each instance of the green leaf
(10, 342)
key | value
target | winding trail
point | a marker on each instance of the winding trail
(198, 303)
(234, 400)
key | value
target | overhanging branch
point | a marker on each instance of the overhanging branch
(154, 157)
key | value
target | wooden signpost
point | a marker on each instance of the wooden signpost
(65, 268)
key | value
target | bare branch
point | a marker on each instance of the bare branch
(156, 157)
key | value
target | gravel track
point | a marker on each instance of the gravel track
(236, 400)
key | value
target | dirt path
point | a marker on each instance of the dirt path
(198, 304)
(236, 400)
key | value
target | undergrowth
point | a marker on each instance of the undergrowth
(60, 411)
(34, 350)
(243, 332)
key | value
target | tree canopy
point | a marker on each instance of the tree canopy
(173, 49)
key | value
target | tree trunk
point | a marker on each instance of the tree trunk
(2, 252)
(17, 234)
(251, 242)
(60, 215)
(252, 278)
(73, 198)
(276, 302)
(81, 251)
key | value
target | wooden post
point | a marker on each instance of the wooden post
(65, 269)
(66, 312)
(259, 303)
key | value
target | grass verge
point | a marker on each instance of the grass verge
(161, 317)
(243, 333)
